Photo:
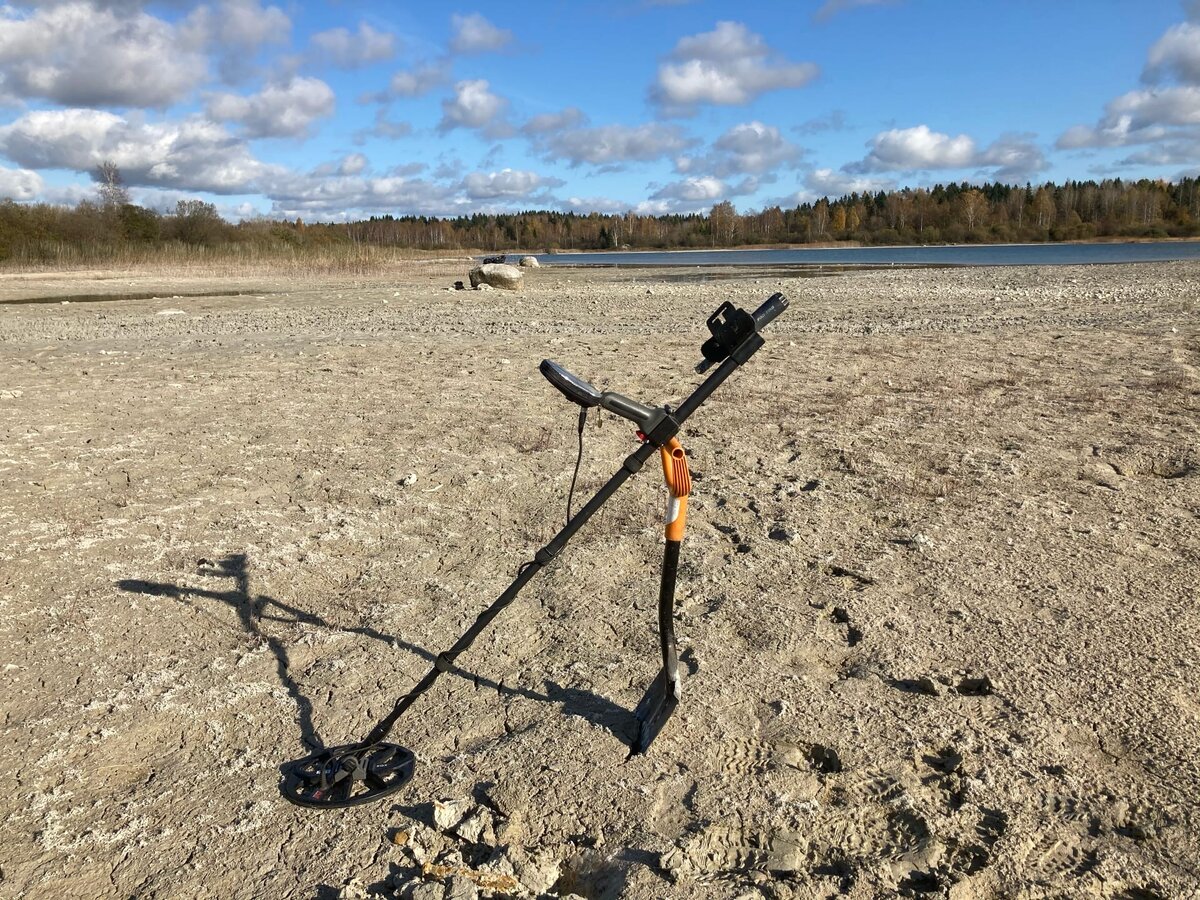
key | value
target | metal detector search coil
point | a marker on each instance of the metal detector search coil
(373, 768)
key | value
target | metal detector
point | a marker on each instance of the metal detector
(373, 768)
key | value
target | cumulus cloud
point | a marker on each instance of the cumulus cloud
(750, 148)
(831, 8)
(406, 169)
(613, 145)
(475, 106)
(343, 197)
(278, 110)
(833, 121)
(829, 183)
(351, 50)
(475, 34)
(695, 194)
(547, 123)
(1138, 117)
(1166, 115)
(416, 81)
(193, 155)
(19, 184)
(1011, 158)
(238, 23)
(693, 190)
(728, 66)
(1176, 53)
(80, 54)
(350, 164)
(507, 183)
(605, 205)
(384, 127)
(1172, 153)
(916, 148)
(338, 197)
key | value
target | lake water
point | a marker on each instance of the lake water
(962, 255)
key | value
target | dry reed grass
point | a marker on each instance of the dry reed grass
(223, 260)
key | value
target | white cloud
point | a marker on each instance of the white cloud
(242, 24)
(351, 50)
(693, 190)
(728, 66)
(383, 128)
(278, 110)
(475, 106)
(832, 7)
(828, 183)
(917, 148)
(67, 194)
(78, 54)
(1138, 117)
(507, 183)
(1171, 153)
(19, 184)
(406, 169)
(1165, 117)
(751, 147)
(161, 200)
(1013, 157)
(352, 164)
(547, 123)
(417, 81)
(612, 145)
(1176, 53)
(604, 205)
(344, 197)
(695, 194)
(193, 154)
(475, 34)
(833, 121)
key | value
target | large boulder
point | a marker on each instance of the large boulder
(497, 275)
(530, 262)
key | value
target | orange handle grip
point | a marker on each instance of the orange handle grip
(679, 485)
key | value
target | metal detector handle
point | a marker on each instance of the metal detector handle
(737, 332)
(769, 311)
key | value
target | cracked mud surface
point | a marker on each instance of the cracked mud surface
(937, 601)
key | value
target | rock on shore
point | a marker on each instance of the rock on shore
(497, 275)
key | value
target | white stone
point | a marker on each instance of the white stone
(448, 813)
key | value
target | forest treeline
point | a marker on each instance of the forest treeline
(953, 213)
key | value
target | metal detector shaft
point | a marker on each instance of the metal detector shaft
(666, 606)
(660, 435)
(445, 661)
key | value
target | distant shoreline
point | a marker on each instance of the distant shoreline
(842, 245)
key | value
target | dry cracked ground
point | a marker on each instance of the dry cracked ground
(938, 599)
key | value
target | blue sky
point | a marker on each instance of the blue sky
(336, 109)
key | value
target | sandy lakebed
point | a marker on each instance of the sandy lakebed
(938, 598)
